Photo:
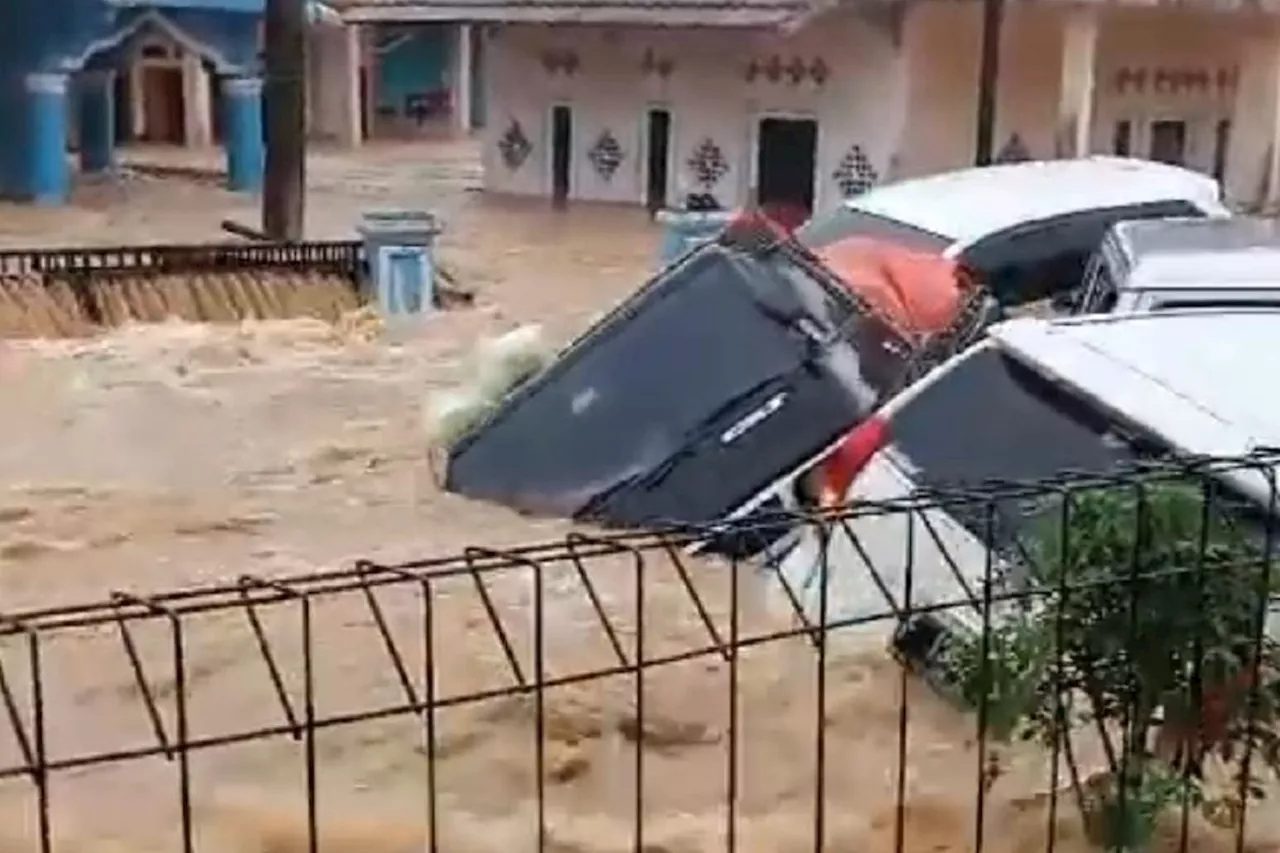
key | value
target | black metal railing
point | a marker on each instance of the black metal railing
(1119, 620)
(343, 257)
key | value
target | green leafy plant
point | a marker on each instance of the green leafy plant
(1146, 632)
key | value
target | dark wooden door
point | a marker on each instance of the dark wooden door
(162, 105)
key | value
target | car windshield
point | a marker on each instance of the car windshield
(993, 419)
(845, 222)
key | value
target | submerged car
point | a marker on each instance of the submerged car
(1164, 264)
(725, 371)
(1035, 399)
(1026, 230)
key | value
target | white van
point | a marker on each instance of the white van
(1036, 398)
(1026, 229)
(1162, 264)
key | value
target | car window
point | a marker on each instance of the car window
(844, 222)
(992, 419)
(1039, 259)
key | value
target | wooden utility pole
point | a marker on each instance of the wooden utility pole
(989, 81)
(284, 93)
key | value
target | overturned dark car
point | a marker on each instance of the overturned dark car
(735, 364)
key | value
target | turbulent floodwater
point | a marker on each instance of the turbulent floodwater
(164, 456)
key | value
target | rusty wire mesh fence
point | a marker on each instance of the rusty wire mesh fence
(1076, 664)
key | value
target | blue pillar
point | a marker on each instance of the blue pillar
(48, 178)
(242, 132)
(97, 106)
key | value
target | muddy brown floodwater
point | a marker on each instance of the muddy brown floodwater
(163, 456)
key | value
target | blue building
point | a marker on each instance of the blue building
(58, 64)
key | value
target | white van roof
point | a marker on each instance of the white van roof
(1240, 252)
(1198, 378)
(968, 204)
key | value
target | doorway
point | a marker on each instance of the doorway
(561, 151)
(162, 104)
(658, 155)
(1221, 145)
(1168, 142)
(217, 109)
(123, 107)
(366, 98)
(786, 158)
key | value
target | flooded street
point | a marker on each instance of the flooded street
(165, 456)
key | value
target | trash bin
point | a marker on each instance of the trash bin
(683, 229)
(399, 249)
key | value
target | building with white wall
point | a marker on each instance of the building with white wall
(168, 94)
(635, 101)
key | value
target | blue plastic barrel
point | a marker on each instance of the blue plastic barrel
(683, 229)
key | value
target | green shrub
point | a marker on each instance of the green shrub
(1148, 611)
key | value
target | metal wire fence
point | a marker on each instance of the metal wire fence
(1070, 664)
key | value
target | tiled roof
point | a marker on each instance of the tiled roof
(673, 13)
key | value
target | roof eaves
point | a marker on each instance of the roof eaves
(714, 13)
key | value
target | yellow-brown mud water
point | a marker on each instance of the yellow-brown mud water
(30, 307)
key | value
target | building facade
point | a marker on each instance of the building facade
(784, 100)
(168, 93)
(413, 78)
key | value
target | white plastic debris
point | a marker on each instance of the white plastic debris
(496, 367)
(449, 414)
(505, 362)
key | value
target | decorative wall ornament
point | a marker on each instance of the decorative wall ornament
(794, 70)
(818, 71)
(707, 163)
(854, 173)
(1175, 81)
(773, 69)
(653, 64)
(1014, 150)
(561, 61)
(797, 71)
(514, 146)
(606, 155)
